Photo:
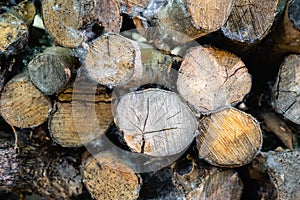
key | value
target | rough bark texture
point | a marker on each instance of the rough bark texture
(200, 181)
(250, 21)
(51, 70)
(229, 138)
(180, 21)
(22, 105)
(286, 89)
(37, 167)
(26, 10)
(108, 178)
(155, 122)
(210, 79)
(13, 35)
(66, 19)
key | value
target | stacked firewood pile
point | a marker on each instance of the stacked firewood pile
(150, 99)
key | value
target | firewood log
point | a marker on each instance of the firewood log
(38, 167)
(22, 105)
(229, 138)
(51, 70)
(106, 177)
(286, 89)
(66, 20)
(210, 79)
(155, 122)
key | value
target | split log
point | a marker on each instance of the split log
(66, 20)
(37, 167)
(155, 122)
(286, 89)
(51, 70)
(79, 122)
(229, 138)
(177, 22)
(132, 7)
(108, 178)
(115, 60)
(200, 181)
(283, 167)
(22, 105)
(250, 21)
(210, 79)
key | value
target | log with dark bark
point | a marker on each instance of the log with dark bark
(155, 122)
(38, 167)
(51, 70)
(229, 138)
(210, 79)
(22, 105)
(66, 20)
(109, 178)
(250, 21)
(286, 89)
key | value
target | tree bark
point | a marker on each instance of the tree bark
(38, 167)
(229, 138)
(65, 20)
(210, 79)
(108, 178)
(22, 105)
(51, 70)
(155, 122)
(286, 89)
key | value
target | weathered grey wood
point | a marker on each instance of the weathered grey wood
(38, 167)
(106, 177)
(210, 79)
(250, 21)
(51, 70)
(22, 105)
(66, 20)
(229, 138)
(286, 89)
(155, 122)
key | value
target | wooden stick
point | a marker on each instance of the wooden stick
(286, 89)
(22, 105)
(210, 79)
(155, 122)
(108, 178)
(229, 138)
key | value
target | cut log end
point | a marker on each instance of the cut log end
(155, 122)
(109, 178)
(22, 105)
(286, 89)
(210, 79)
(229, 138)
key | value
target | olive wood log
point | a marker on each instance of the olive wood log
(38, 167)
(66, 20)
(155, 122)
(286, 89)
(106, 177)
(229, 138)
(22, 105)
(51, 70)
(210, 79)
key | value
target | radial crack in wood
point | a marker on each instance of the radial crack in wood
(229, 138)
(210, 79)
(155, 122)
